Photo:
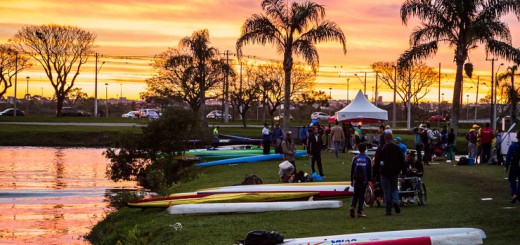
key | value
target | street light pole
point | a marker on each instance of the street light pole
(476, 99)
(95, 85)
(494, 98)
(394, 106)
(439, 94)
(409, 109)
(106, 99)
(15, 80)
(467, 107)
(27, 97)
(348, 83)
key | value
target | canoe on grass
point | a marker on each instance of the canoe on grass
(257, 158)
(325, 190)
(190, 198)
(251, 207)
(419, 237)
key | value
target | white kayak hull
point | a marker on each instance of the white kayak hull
(251, 207)
(422, 236)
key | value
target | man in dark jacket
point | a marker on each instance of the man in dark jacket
(315, 145)
(512, 164)
(389, 164)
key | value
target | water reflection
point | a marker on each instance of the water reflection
(52, 195)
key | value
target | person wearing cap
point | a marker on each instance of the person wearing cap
(266, 139)
(471, 136)
(288, 149)
(338, 137)
(399, 142)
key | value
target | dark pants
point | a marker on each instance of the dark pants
(419, 149)
(316, 158)
(390, 194)
(514, 175)
(359, 196)
(485, 154)
(267, 147)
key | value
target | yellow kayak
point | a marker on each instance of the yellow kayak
(192, 198)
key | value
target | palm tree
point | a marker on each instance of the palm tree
(201, 55)
(294, 29)
(512, 93)
(463, 25)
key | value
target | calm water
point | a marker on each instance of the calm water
(52, 195)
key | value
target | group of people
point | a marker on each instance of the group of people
(392, 160)
(480, 141)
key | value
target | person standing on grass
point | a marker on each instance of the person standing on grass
(418, 143)
(314, 149)
(486, 135)
(277, 138)
(215, 136)
(266, 139)
(303, 136)
(360, 175)
(471, 136)
(512, 164)
(399, 142)
(288, 149)
(451, 145)
(338, 137)
(389, 163)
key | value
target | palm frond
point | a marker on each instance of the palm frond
(306, 14)
(486, 29)
(277, 10)
(416, 53)
(258, 29)
(496, 8)
(421, 9)
(326, 31)
(308, 51)
(503, 49)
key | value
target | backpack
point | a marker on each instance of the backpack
(437, 136)
(252, 179)
(262, 237)
(359, 171)
(463, 161)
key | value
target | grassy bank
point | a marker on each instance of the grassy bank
(454, 200)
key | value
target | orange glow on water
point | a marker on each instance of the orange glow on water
(52, 195)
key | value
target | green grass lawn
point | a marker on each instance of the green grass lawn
(454, 200)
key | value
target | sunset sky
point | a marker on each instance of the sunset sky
(130, 32)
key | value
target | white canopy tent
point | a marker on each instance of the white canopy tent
(361, 110)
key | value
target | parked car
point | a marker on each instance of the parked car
(149, 113)
(216, 114)
(72, 112)
(320, 116)
(277, 118)
(10, 112)
(436, 118)
(130, 114)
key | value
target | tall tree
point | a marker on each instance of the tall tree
(75, 95)
(197, 51)
(294, 29)
(60, 50)
(420, 75)
(511, 91)
(272, 83)
(11, 63)
(246, 91)
(463, 25)
(177, 77)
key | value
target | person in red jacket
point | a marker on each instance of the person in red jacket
(486, 135)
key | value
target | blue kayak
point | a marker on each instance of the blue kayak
(257, 158)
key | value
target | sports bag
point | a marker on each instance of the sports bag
(262, 237)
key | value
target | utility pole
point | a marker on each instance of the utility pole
(15, 80)
(365, 91)
(394, 106)
(409, 106)
(375, 100)
(439, 101)
(476, 99)
(493, 106)
(95, 89)
(226, 89)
